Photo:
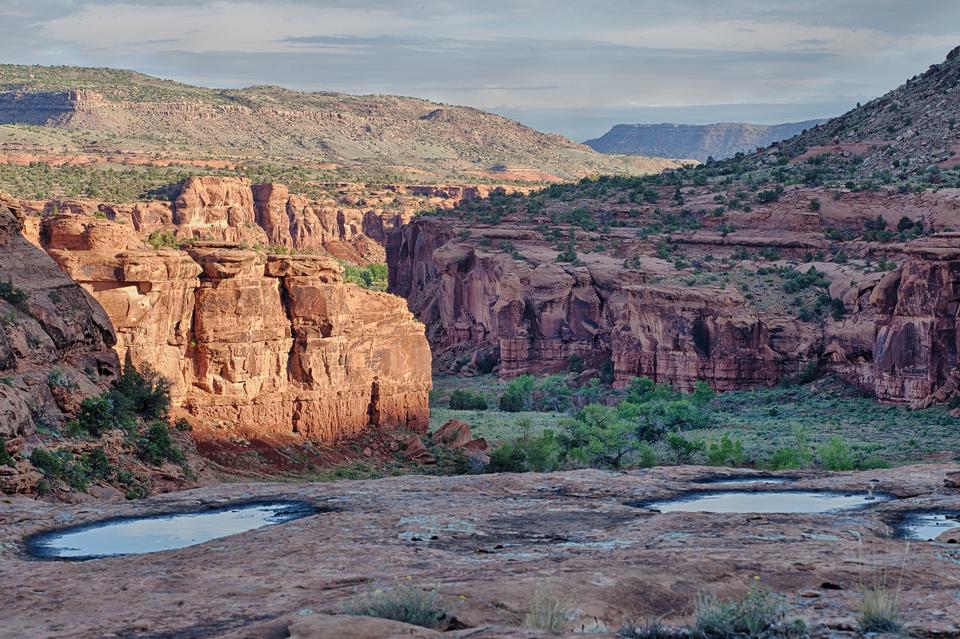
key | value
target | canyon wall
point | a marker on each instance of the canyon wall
(535, 315)
(522, 309)
(254, 344)
(352, 222)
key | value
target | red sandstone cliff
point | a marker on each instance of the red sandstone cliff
(520, 307)
(254, 344)
(352, 222)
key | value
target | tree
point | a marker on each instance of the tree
(599, 436)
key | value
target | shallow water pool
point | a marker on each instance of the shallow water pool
(137, 535)
(787, 501)
(746, 480)
(927, 526)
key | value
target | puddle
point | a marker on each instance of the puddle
(137, 535)
(787, 501)
(927, 526)
(746, 480)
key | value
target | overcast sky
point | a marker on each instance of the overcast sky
(572, 66)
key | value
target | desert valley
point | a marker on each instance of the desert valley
(309, 364)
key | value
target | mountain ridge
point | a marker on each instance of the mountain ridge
(700, 142)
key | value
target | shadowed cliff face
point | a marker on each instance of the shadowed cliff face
(55, 347)
(256, 344)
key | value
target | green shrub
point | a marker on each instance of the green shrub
(508, 457)
(599, 436)
(728, 451)
(516, 397)
(156, 446)
(467, 400)
(143, 393)
(759, 615)
(163, 239)
(6, 459)
(552, 394)
(373, 276)
(702, 393)
(405, 603)
(96, 464)
(646, 456)
(94, 417)
(60, 465)
(682, 448)
(798, 456)
(57, 379)
(511, 402)
(836, 455)
(15, 295)
(538, 454)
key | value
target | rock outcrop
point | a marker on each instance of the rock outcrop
(257, 344)
(915, 350)
(351, 222)
(55, 347)
(538, 314)
(505, 294)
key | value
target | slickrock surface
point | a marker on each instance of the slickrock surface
(489, 543)
(256, 343)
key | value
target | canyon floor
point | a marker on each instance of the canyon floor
(490, 544)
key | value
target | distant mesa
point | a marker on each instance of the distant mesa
(695, 141)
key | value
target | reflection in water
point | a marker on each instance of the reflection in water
(927, 526)
(734, 501)
(746, 481)
(162, 532)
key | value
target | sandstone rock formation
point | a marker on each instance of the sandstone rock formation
(915, 353)
(500, 292)
(55, 346)
(351, 222)
(253, 343)
(538, 314)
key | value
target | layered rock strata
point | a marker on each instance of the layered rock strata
(520, 308)
(253, 343)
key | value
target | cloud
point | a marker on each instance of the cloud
(520, 55)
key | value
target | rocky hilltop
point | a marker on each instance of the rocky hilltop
(363, 134)
(910, 131)
(738, 273)
(695, 141)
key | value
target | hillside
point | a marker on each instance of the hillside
(695, 141)
(909, 132)
(95, 112)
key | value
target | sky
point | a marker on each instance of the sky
(574, 67)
